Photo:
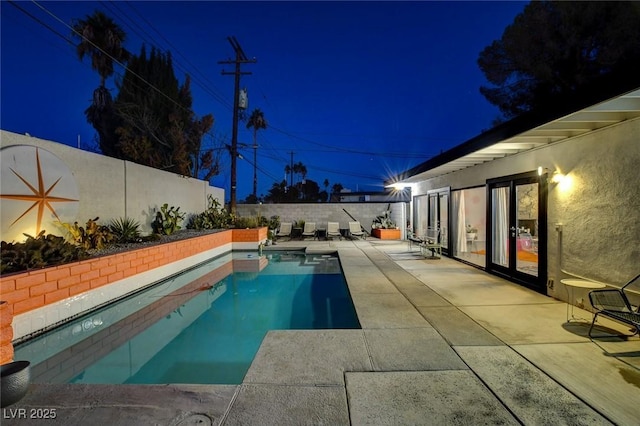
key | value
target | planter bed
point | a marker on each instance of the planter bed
(386, 234)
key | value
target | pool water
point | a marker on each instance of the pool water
(206, 331)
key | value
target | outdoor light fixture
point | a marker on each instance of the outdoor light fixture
(398, 186)
(557, 177)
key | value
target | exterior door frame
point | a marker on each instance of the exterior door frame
(539, 282)
(435, 194)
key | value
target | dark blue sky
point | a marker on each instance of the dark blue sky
(358, 91)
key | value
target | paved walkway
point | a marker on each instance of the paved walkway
(442, 343)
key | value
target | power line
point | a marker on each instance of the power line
(214, 91)
(149, 39)
(63, 37)
(110, 56)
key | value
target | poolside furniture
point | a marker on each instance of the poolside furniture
(333, 230)
(285, 230)
(571, 284)
(431, 241)
(614, 304)
(412, 238)
(309, 230)
(355, 230)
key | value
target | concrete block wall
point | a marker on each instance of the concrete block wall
(110, 188)
(321, 213)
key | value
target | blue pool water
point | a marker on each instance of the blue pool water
(203, 326)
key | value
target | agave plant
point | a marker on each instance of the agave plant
(125, 230)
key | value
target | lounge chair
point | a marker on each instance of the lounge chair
(309, 230)
(333, 230)
(355, 230)
(284, 231)
(614, 304)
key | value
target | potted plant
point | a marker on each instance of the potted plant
(385, 228)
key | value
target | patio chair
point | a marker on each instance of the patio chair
(333, 230)
(431, 241)
(309, 230)
(355, 230)
(285, 230)
(614, 304)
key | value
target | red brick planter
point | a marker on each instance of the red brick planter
(386, 234)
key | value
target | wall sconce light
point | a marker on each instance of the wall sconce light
(557, 177)
(554, 176)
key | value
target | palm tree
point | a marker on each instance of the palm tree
(102, 40)
(257, 121)
(300, 169)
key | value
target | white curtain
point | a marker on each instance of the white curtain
(460, 217)
(500, 208)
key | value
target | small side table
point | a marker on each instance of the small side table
(571, 283)
(296, 233)
(321, 234)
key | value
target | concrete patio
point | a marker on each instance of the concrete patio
(441, 343)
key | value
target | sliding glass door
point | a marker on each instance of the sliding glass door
(517, 229)
(432, 211)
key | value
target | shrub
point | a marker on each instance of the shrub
(167, 220)
(215, 217)
(93, 236)
(38, 252)
(246, 222)
(125, 230)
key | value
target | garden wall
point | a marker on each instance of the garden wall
(110, 188)
(321, 213)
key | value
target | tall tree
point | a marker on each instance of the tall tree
(335, 191)
(554, 48)
(257, 122)
(159, 128)
(300, 169)
(103, 41)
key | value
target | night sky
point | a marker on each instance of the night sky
(358, 91)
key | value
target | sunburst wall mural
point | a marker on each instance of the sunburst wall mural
(37, 189)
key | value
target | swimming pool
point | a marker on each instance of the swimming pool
(203, 326)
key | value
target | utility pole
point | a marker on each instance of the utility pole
(241, 58)
(291, 175)
(255, 166)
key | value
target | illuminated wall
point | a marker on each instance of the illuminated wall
(43, 181)
(595, 196)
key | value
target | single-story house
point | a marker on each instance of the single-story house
(549, 195)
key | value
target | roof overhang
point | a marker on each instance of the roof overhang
(527, 132)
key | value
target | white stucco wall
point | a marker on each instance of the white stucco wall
(110, 188)
(598, 204)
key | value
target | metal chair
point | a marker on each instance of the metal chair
(333, 230)
(355, 230)
(614, 304)
(309, 230)
(285, 230)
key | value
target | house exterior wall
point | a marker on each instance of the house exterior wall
(110, 188)
(598, 203)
